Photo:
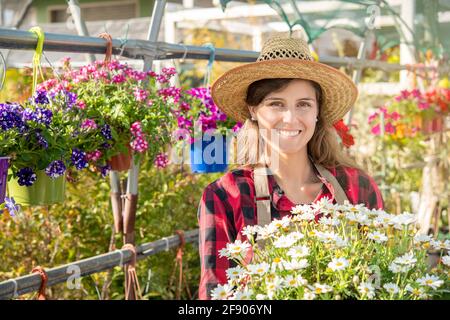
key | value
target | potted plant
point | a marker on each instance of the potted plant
(328, 251)
(44, 137)
(127, 107)
(205, 127)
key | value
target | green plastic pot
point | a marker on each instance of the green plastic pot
(44, 191)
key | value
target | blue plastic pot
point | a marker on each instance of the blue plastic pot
(209, 154)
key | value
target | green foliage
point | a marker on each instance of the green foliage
(82, 227)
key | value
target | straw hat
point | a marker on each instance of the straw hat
(284, 58)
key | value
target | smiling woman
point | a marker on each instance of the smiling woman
(288, 149)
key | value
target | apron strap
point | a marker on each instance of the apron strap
(263, 197)
(339, 193)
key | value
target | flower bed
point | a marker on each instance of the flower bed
(327, 251)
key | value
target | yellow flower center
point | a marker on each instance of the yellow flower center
(318, 290)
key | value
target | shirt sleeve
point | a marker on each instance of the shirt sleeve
(214, 234)
(370, 194)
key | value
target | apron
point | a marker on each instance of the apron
(263, 197)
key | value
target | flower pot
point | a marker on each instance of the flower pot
(121, 161)
(4, 164)
(44, 191)
(209, 154)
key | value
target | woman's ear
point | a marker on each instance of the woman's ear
(251, 109)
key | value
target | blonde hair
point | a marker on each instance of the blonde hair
(323, 148)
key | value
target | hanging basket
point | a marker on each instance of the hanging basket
(4, 165)
(121, 161)
(209, 155)
(44, 191)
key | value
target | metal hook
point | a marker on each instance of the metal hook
(15, 294)
(212, 56)
(51, 66)
(4, 71)
(185, 51)
(167, 243)
(121, 258)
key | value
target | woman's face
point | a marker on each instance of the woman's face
(287, 118)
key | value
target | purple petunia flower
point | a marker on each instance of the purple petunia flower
(12, 207)
(41, 140)
(11, 117)
(26, 177)
(106, 132)
(79, 159)
(104, 170)
(41, 97)
(55, 169)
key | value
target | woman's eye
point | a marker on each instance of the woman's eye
(276, 104)
(305, 105)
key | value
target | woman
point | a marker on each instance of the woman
(287, 146)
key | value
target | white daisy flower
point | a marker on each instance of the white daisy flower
(296, 264)
(363, 219)
(238, 248)
(250, 231)
(224, 253)
(234, 273)
(258, 269)
(284, 241)
(401, 220)
(418, 292)
(392, 288)
(406, 259)
(446, 260)
(351, 216)
(324, 205)
(308, 295)
(273, 286)
(281, 224)
(422, 238)
(327, 237)
(338, 264)
(294, 281)
(395, 268)
(377, 236)
(260, 296)
(366, 289)
(355, 207)
(277, 263)
(221, 292)
(340, 243)
(329, 221)
(440, 245)
(298, 252)
(430, 281)
(246, 294)
(301, 209)
(296, 235)
(320, 288)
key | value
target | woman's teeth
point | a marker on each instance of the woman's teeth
(289, 133)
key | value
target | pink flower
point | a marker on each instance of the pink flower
(395, 116)
(389, 128)
(118, 78)
(237, 127)
(376, 130)
(373, 116)
(136, 129)
(89, 124)
(416, 93)
(140, 94)
(423, 105)
(139, 144)
(93, 156)
(161, 161)
(81, 104)
(150, 103)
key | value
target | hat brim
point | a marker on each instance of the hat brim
(229, 91)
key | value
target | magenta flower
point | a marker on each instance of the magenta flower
(93, 156)
(416, 93)
(161, 161)
(118, 78)
(389, 128)
(140, 94)
(376, 130)
(89, 124)
(423, 105)
(81, 104)
(395, 116)
(373, 116)
(139, 144)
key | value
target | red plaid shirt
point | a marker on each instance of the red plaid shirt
(228, 205)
